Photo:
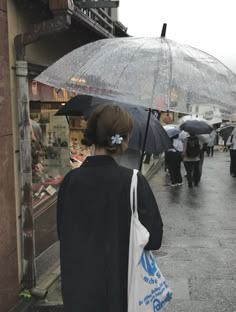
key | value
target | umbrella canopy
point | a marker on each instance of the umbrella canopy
(155, 72)
(157, 139)
(226, 131)
(80, 105)
(172, 132)
(196, 127)
(171, 126)
(190, 117)
(204, 138)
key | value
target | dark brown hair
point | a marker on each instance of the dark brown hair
(107, 121)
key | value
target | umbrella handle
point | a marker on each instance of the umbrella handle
(145, 139)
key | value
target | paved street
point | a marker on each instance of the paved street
(198, 256)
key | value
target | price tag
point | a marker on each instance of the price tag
(51, 190)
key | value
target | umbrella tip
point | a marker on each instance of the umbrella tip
(163, 32)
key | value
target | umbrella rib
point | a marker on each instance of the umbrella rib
(170, 72)
(157, 71)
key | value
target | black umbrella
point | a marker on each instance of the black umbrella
(157, 138)
(80, 105)
(195, 127)
(226, 131)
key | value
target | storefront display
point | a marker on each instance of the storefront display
(78, 152)
(50, 151)
(56, 149)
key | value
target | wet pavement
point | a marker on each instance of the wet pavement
(198, 255)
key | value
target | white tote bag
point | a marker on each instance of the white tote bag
(148, 290)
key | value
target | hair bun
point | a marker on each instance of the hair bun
(106, 124)
(88, 139)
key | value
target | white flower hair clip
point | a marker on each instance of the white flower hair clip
(116, 139)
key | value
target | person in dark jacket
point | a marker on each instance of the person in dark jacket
(93, 219)
(173, 159)
(192, 153)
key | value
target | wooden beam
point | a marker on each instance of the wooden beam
(100, 4)
(103, 20)
(91, 24)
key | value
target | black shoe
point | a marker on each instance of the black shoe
(190, 184)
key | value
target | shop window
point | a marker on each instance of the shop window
(50, 150)
(78, 152)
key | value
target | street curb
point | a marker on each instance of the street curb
(48, 307)
(49, 277)
(45, 282)
(23, 305)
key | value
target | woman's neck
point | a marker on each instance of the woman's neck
(99, 151)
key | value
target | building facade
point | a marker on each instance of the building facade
(8, 238)
(34, 34)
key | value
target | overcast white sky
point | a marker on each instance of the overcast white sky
(209, 25)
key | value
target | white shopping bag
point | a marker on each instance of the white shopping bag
(148, 290)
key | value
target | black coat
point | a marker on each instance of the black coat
(93, 227)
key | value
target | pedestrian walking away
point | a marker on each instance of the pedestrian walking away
(173, 159)
(203, 149)
(191, 151)
(211, 143)
(93, 218)
(231, 144)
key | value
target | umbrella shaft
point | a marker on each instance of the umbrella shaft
(145, 139)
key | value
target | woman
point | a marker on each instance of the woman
(94, 219)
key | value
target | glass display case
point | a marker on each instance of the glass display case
(78, 152)
(50, 151)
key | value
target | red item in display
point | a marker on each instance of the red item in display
(78, 157)
(54, 181)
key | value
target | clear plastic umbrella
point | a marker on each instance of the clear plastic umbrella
(173, 132)
(154, 72)
(190, 117)
(214, 121)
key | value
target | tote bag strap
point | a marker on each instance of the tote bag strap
(133, 193)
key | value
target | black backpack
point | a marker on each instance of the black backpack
(193, 147)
